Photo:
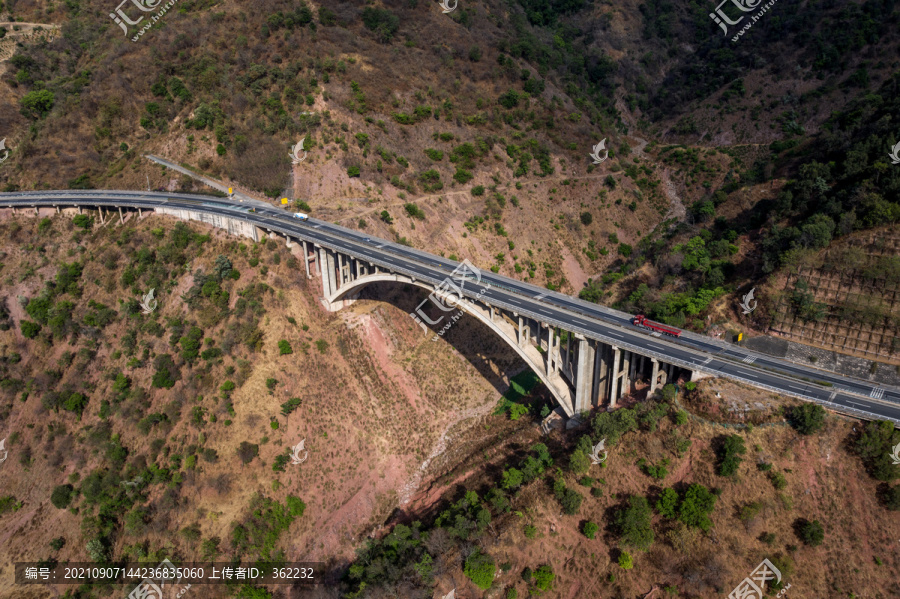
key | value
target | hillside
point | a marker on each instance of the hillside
(758, 164)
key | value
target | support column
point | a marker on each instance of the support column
(102, 222)
(492, 312)
(340, 266)
(36, 211)
(613, 393)
(585, 376)
(549, 350)
(626, 367)
(306, 260)
(330, 268)
(599, 365)
(321, 258)
(557, 351)
(79, 210)
(521, 333)
(287, 241)
(140, 214)
(121, 218)
(654, 375)
(634, 362)
(57, 210)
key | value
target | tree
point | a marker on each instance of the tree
(591, 292)
(586, 218)
(382, 22)
(633, 523)
(509, 100)
(512, 478)
(626, 561)
(247, 451)
(480, 568)
(808, 418)
(30, 329)
(571, 501)
(667, 505)
(811, 533)
(696, 257)
(61, 496)
(386, 217)
(97, 551)
(698, 503)
(543, 578)
(284, 348)
(37, 103)
(579, 462)
(590, 529)
(874, 446)
(892, 498)
(732, 448)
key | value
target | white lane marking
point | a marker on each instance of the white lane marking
(707, 360)
(795, 387)
(541, 296)
(509, 299)
(749, 374)
(656, 334)
(749, 360)
(544, 311)
(833, 395)
(614, 334)
(876, 393)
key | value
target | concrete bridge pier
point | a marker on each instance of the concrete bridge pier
(585, 375)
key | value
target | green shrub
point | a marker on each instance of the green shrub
(480, 568)
(811, 533)
(61, 496)
(808, 418)
(353, 171)
(667, 505)
(590, 529)
(284, 348)
(478, 190)
(414, 211)
(732, 448)
(291, 405)
(30, 329)
(633, 523)
(626, 562)
(696, 506)
(543, 578)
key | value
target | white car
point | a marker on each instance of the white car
(301, 216)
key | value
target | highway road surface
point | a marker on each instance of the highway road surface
(697, 352)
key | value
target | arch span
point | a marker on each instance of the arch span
(526, 351)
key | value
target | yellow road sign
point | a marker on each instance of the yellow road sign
(284, 200)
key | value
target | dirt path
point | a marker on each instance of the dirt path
(676, 208)
(412, 485)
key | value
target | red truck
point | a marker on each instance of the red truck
(641, 321)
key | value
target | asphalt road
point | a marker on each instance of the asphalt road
(697, 352)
